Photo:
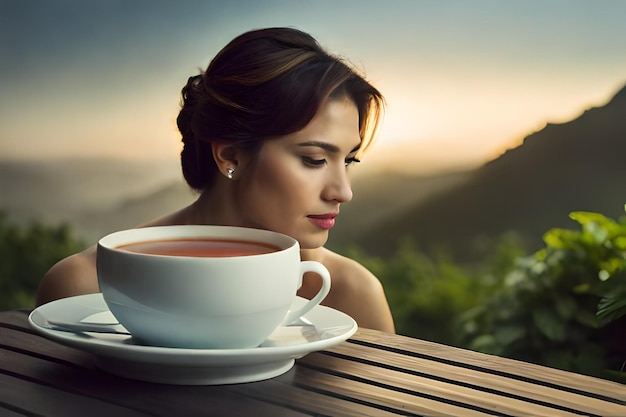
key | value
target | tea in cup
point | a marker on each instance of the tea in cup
(204, 287)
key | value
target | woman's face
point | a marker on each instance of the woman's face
(296, 183)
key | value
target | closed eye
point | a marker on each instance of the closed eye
(313, 162)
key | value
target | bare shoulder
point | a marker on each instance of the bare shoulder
(74, 275)
(357, 292)
(350, 274)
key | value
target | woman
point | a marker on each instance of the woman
(269, 131)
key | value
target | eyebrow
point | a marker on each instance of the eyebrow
(327, 146)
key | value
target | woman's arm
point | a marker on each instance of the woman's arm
(74, 275)
(354, 290)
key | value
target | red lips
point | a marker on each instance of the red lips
(323, 221)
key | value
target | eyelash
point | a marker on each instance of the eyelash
(352, 160)
(316, 163)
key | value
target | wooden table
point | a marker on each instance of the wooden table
(372, 374)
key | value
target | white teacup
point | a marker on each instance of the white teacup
(206, 302)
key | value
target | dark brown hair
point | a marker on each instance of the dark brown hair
(263, 84)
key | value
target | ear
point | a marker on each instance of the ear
(226, 156)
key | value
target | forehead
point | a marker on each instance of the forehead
(336, 123)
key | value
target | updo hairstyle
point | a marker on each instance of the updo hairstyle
(263, 84)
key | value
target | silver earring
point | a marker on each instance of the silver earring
(230, 172)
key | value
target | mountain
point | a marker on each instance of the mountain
(566, 167)
(98, 196)
(578, 165)
(94, 195)
(131, 212)
(383, 195)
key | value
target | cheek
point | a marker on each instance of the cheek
(288, 184)
(270, 179)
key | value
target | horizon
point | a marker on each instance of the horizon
(389, 158)
(464, 82)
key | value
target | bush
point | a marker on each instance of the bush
(26, 253)
(563, 306)
(427, 293)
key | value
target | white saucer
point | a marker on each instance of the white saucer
(119, 355)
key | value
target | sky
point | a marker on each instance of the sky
(463, 80)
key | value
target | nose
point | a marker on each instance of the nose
(338, 187)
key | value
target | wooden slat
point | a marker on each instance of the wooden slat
(373, 374)
(279, 401)
(17, 318)
(289, 389)
(49, 374)
(284, 400)
(474, 383)
(451, 391)
(402, 403)
(33, 399)
(8, 411)
(498, 365)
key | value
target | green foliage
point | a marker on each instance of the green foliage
(26, 253)
(427, 293)
(563, 306)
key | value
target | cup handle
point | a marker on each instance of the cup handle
(318, 268)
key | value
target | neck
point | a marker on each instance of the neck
(214, 206)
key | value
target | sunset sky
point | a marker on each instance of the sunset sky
(464, 80)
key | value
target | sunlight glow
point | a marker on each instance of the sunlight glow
(462, 83)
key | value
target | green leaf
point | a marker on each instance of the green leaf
(612, 305)
(600, 235)
(507, 334)
(586, 217)
(619, 243)
(566, 306)
(549, 324)
(583, 288)
(611, 265)
(599, 226)
(587, 319)
(560, 359)
(486, 344)
(561, 238)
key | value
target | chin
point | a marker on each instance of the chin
(312, 242)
